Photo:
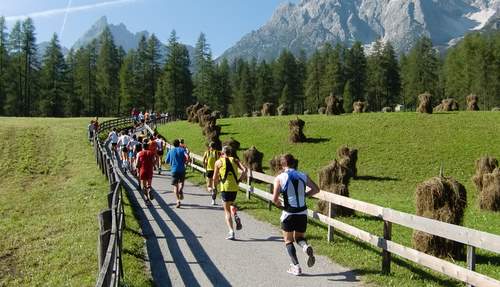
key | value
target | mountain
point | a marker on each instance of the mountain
(122, 36)
(310, 24)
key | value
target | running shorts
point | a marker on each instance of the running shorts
(209, 174)
(159, 153)
(113, 144)
(178, 177)
(295, 222)
(124, 149)
(228, 196)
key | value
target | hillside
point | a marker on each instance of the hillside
(396, 151)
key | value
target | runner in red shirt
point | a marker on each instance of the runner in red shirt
(153, 147)
(145, 164)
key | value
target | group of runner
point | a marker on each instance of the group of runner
(222, 175)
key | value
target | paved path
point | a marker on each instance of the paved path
(186, 246)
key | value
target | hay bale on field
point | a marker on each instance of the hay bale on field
(484, 165)
(360, 107)
(207, 120)
(490, 194)
(252, 159)
(268, 110)
(472, 103)
(296, 128)
(334, 105)
(425, 103)
(210, 129)
(234, 144)
(387, 110)
(348, 158)
(322, 111)
(307, 112)
(334, 178)
(275, 164)
(192, 112)
(282, 110)
(444, 199)
(202, 114)
(496, 109)
(447, 105)
(217, 114)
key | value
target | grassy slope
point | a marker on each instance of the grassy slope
(401, 149)
(50, 194)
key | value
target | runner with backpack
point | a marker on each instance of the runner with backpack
(292, 185)
(209, 159)
(226, 176)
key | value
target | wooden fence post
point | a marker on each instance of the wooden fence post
(331, 214)
(386, 255)
(249, 182)
(104, 234)
(471, 260)
(270, 203)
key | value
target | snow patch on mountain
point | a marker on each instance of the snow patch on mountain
(481, 17)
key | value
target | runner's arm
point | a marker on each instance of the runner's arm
(276, 193)
(215, 178)
(314, 187)
(244, 169)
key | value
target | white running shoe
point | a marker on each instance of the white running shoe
(230, 235)
(294, 270)
(213, 202)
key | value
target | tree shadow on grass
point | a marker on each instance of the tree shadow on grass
(228, 134)
(489, 259)
(376, 178)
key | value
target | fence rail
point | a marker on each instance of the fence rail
(470, 237)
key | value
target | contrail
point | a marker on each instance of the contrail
(65, 18)
(59, 11)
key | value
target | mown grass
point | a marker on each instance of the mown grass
(396, 152)
(50, 194)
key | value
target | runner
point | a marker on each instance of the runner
(153, 147)
(177, 159)
(90, 130)
(123, 142)
(209, 159)
(113, 136)
(145, 163)
(292, 185)
(160, 147)
(132, 153)
(226, 174)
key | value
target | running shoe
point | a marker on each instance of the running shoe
(213, 202)
(178, 205)
(294, 270)
(181, 195)
(230, 235)
(238, 222)
(310, 256)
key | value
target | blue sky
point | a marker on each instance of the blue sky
(223, 21)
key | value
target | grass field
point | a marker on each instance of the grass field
(50, 194)
(396, 152)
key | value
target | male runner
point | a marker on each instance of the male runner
(123, 142)
(209, 159)
(113, 136)
(160, 147)
(145, 163)
(226, 175)
(292, 185)
(177, 160)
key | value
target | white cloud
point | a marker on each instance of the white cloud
(61, 11)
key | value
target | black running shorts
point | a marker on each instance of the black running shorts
(209, 174)
(178, 177)
(124, 149)
(295, 222)
(228, 196)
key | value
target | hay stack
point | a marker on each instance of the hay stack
(447, 105)
(253, 159)
(282, 110)
(322, 111)
(348, 158)
(275, 164)
(268, 110)
(334, 105)
(484, 166)
(334, 178)
(425, 103)
(203, 114)
(472, 103)
(234, 144)
(387, 110)
(217, 114)
(296, 131)
(192, 111)
(490, 194)
(444, 199)
(496, 109)
(359, 107)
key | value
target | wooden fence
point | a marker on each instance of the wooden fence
(470, 237)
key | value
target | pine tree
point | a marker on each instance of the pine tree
(4, 63)
(154, 67)
(85, 78)
(222, 87)
(14, 101)
(30, 67)
(348, 99)
(285, 74)
(315, 70)
(129, 88)
(355, 64)
(333, 79)
(204, 74)
(392, 74)
(73, 103)
(264, 85)
(107, 75)
(175, 86)
(53, 80)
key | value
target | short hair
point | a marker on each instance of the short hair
(114, 129)
(145, 145)
(288, 160)
(124, 132)
(176, 143)
(182, 141)
(134, 137)
(227, 150)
